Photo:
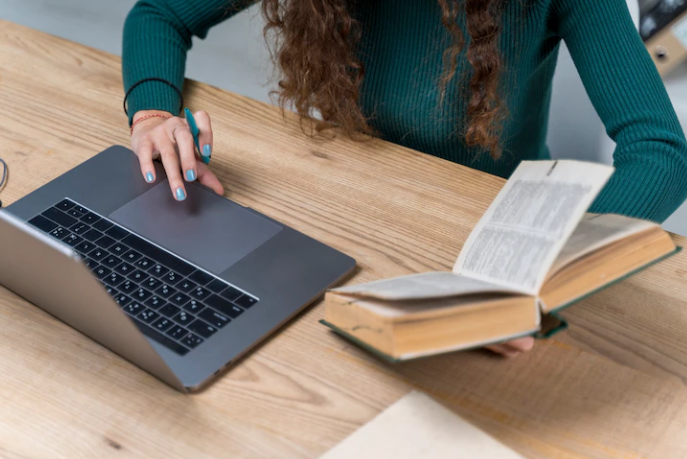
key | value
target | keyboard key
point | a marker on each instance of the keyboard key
(43, 224)
(214, 318)
(202, 329)
(111, 261)
(137, 276)
(155, 302)
(231, 293)
(151, 284)
(169, 310)
(158, 270)
(184, 318)
(171, 278)
(92, 235)
(165, 291)
(98, 254)
(194, 306)
(90, 263)
(162, 256)
(80, 209)
(74, 213)
(59, 217)
(246, 301)
(141, 294)
(162, 324)
(119, 249)
(124, 269)
(200, 293)
(105, 242)
(176, 332)
(85, 247)
(113, 279)
(117, 232)
(80, 228)
(101, 272)
(144, 263)
(222, 305)
(90, 218)
(179, 299)
(217, 285)
(59, 233)
(148, 316)
(128, 287)
(65, 204)
(131, 256)
(102, 225)
(72, 240)
(186, 285)
(200, 277)
(155, 335)
(111, 291)
(122, 300)
(133, 308)
(191, 340)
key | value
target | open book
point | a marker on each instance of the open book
(534, 252)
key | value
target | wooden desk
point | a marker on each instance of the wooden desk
(612, 387)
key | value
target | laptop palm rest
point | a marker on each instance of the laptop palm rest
(206, 229)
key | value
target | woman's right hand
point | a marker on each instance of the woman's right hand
(172, 142)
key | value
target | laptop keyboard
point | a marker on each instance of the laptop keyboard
(169, 300)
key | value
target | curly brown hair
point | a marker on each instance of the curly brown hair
(316, 51)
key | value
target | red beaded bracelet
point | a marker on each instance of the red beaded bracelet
(147, 117)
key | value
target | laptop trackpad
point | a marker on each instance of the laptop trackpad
(206, 229)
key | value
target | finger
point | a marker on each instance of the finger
(171, 162)
(209, 179)
(184, 140)
(503, 350)
(145, 158)
(521, 344)
(205, 137)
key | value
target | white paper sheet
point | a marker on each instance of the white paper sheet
(417, 427)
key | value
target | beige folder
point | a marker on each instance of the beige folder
(417, 427)
(668, 48)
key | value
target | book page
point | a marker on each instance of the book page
(523, 231)
(417, 427)
(422, 286)
(596, 231)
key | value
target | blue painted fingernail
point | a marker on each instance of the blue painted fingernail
(149, 177)
(207, 150)
(180, 194)
(190, 175)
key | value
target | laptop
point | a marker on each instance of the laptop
(180, 289)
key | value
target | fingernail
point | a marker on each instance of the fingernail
(190, 175)
(180, 194)
(149, 177)
(207, 150)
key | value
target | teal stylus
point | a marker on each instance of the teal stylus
(195, 132)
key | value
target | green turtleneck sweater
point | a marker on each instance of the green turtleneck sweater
(402, 47)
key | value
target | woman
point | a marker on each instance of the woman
(468, 81)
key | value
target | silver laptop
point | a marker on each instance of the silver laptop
(181, 289)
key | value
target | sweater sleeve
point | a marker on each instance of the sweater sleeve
(627, 92)
(157, 36)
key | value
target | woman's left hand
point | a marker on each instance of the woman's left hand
(514, 347)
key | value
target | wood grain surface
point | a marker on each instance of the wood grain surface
(611, 387)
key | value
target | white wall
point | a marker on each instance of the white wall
(234, 57)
